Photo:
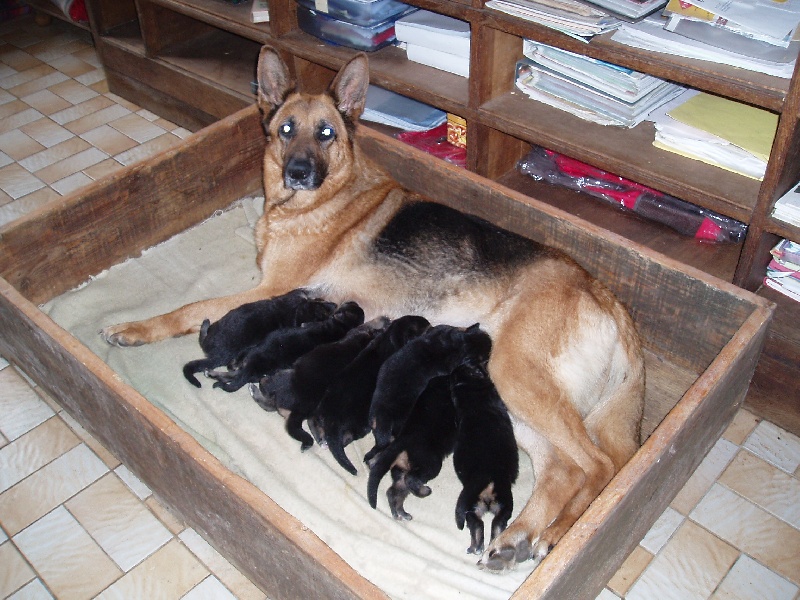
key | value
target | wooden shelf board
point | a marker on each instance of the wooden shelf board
(625, 152)
(740, 84)
(234, 18)
(716, 259)
(225, 60)
(390, 69)
(47, 7)
(785, 230)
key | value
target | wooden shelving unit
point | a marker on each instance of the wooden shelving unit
(193, 62)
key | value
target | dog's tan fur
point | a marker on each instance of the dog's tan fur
(566, 357)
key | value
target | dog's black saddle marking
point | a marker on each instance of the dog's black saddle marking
(429, 233)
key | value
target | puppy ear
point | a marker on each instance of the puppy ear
(349, 88)
(274, 81)
(474, 326)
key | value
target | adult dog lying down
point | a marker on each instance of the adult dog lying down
(566, 358)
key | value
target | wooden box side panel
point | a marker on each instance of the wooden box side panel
(270, 546)
(658, 295)
(584, 560)
(55, 249)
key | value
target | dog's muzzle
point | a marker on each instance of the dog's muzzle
(301, 173)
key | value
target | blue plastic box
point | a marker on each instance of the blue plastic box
(366, 13)
(343, 33)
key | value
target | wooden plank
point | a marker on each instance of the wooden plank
(49, 251)
(267, 544)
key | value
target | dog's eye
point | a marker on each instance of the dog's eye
(325, 133)
(287, 129)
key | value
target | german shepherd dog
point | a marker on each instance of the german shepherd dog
(566, 357)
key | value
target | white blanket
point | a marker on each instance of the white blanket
(422, 558)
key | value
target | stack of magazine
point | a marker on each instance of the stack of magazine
(783, 271)
(787, 208)
(395, 110)
(588, 88)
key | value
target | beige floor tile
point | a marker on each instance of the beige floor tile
(101, 87)
(27, 204)
(23, 77)
(690, 566)
(21, 410)
(71, 165)
(662, 530)
(4, 198)
(147, 149)
(35, 590)
(166, 575)
(55, 154)
(14, 570)
(123, 102)
(35, 449)
(38, 84)
(47, 132)
(18, 145)
(738, 521)
(71, 183)
(630, 571)
(5, 159)
(18, 182)
(111, 461)
(219, 566)
(92, 78)
(134, 483)
(137, 128)
(103, 169)
(9, 109)
(19, 119)
(43, 491)
(71, 65)
(108, 139)
(117, 520)
(766, 485)
(748, 580)
(5, 97)
(68, 115)
(69, 561)
(96, 119)
(742, 425)
(73, 91)
(704, 476)
(170, 520)
(46, 102)
(210, 588)
(18, 59)
(775, 445)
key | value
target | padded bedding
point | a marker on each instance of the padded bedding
(422, 558)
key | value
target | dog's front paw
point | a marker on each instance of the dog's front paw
(122, 335)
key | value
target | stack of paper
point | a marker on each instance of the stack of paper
(783, 271)
(649, 34)
(633, 9)
(591, 89)
(436, 40)
(721, 132)
(399, 111)
(787, 208)
(572, 17)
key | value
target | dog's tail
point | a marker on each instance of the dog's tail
(380, 465)
(336, 446)
(294, 427)
(467, 501)
(196, 366)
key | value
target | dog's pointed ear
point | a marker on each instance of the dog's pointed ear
(349, 87)
(274, 81)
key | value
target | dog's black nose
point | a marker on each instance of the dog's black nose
(300, 173)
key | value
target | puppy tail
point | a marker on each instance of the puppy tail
(380, 466)
(195, 366)
(336, 447)
(204, 330)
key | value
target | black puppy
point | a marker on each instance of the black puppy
(296, 392)
(244, 327)
(485, 456)
(341, 416)
(284, 346)
(405, 375)
(416, 455)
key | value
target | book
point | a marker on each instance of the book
(259, 12)
(787, 253)
(783, 279)
(438, 59)
(438, 32)
(634, 9)
(787, 207)
(396, 110)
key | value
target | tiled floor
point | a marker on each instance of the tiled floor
(76, 524)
